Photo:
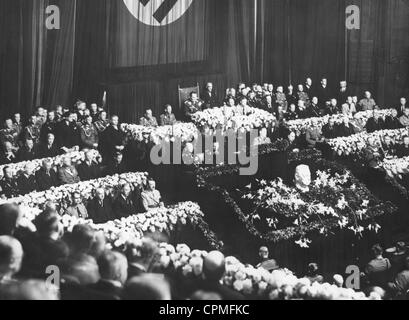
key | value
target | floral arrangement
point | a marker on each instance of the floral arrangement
(395, 168)
(227, 118)
(355, 144)
(62, 194)
(330, 196)
(349, 201)
(184, 131)
(302, 125)
(252, 282)
(76, 157)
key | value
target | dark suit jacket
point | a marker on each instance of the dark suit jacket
(5, 160)
(67, 177)
(46, 181)
(68, 134)
(26, 184)
(100, 214)
(87, 172)
(45, 152)
(123, 208)
(373, 125)
(344, 131)
(24, 155)
(210, 101)
(392, 123)
(9, 188)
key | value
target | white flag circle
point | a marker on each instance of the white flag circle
(158, 12)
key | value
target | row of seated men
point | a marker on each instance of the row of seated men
(14, 184)
(132, 199)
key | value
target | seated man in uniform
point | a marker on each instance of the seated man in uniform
(193, 105)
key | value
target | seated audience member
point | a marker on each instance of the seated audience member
(375, 123)
(402, 106)
(112, 140)
(323, 92)
(292, 113)
(268, 105)
(291, 96)
(123, 205)
(102, 123)
(68, 133)
(113, 269)
(330, 130)
(209, 97)
(281, 99)
(44, 248)
(262, 139)
(303, 96)
(403, 150)
(50, 127)
(392, 121)
(94, 113)
(89, 169)
(351, 105)
(358, 123)
(49, 148)
(292, 144)
(46, 177)
(214, 267)
(11, 258)
(8, 185)
(26, 181)
(400, 285)
(148, 120)
(345, 129)
(17, 125)
(373, 154)
(314, 135)
(9, 134)
(404, 119)
(32, 131)
(29, 290)
(7, 155)
(367, 103)
(9, 219)
(147, 287)
(168, 118)
(313, 274)
(118, 166)
(100, 208)
(89, 134)
(332, 108)
(192, 105)
(77, 208)
(377, 270)
(302, 109)
(67, 173)
(141, 260)
(388, 147)
(314, 110)
(151, 198)
(28, 152)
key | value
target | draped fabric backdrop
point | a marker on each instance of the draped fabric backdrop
(102, 46)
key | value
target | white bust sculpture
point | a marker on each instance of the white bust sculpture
(303, 178)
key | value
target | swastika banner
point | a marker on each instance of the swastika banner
(155, 32)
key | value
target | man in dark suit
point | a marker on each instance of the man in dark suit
(375, 123)
(403, 150)
(323, 92)
(68, 133)
(27, 181)
(8, 185)
(67, 173)
(49, 148)
(392, 122)
(330, 130)
(100, 208)
(89, 169)
(118, 166)
(402, 107)
(112, 140)
(49, 127)
(124, 206)
(345, 129)
(209, 97)
(7, 155)
(27, 152)
(46, 177)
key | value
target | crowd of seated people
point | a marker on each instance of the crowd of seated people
(91, 271)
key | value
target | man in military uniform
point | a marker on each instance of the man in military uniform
(9, 134)
(368, 103)
(167, 118)
(193, 105)
(281, 99)
(303, 95)
(32, 131)
(148, 120)
(8, 185)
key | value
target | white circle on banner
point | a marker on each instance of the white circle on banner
(158, 12)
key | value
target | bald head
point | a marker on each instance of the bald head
(214, 266)
(147, 287)
(11, 256)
